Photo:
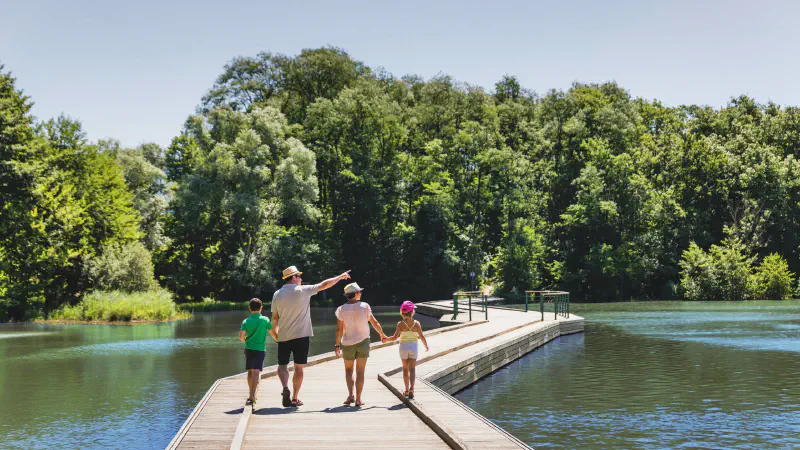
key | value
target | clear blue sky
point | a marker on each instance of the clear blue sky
(135, 70)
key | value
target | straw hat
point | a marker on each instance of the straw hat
(291, 270)
(352, 288)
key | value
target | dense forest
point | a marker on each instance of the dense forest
(320, 161)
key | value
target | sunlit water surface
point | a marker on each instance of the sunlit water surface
(657, 375)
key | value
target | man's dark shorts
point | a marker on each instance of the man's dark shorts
(297, 347)
(254, 359)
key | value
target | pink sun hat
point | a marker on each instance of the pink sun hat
(407, 307)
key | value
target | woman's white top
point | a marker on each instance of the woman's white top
(356, 322)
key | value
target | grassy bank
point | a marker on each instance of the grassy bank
(118, 306)
(209, 306)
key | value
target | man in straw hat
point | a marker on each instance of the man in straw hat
(291, 307)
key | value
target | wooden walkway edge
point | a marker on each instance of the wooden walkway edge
(464, 353)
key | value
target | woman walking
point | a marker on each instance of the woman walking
(352, 339)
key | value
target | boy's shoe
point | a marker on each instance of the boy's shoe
(287, 397)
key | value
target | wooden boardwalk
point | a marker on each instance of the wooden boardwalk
(459, 355)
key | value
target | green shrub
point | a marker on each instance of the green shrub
(772, 279)
(113, 306)
(722, 273)
(126, 268)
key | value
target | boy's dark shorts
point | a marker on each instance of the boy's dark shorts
(298, 347)
(254, 359)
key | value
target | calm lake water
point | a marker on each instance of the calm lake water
(657, 375)
(116, 386)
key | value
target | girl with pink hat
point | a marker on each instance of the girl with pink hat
(409, 331)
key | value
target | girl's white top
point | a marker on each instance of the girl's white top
(356, 322)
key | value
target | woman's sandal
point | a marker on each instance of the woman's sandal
(350, 399)
(410, 394)
(360, 403)
(405, 393)
(297, 402)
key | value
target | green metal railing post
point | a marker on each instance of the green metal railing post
(541, 305)
(556, 302)
(526, 302)
(558, 305)
(455, 306)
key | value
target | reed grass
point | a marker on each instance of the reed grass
(119, 306)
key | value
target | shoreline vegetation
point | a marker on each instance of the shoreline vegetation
(210, 305)
(116, 312)
(108, 322)
(120, 307)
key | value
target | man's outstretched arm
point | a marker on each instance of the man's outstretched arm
(332, 281)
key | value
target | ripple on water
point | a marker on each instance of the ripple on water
(141, 347)
(22, 334)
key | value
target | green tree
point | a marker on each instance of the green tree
(147, 182)
(227, 214)
(723, 273)
(62, 202)
(126, 268)
(772, 279)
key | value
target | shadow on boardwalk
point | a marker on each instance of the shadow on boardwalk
(335, 410)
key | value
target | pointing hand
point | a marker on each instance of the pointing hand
(345, 276)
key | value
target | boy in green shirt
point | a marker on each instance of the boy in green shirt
(254, 335)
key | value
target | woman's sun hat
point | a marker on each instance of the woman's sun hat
(289, 271)
(407, 307)
(352, 288)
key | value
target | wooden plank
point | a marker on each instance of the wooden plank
(244, 420)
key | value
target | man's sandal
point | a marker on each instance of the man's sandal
(287, 397)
